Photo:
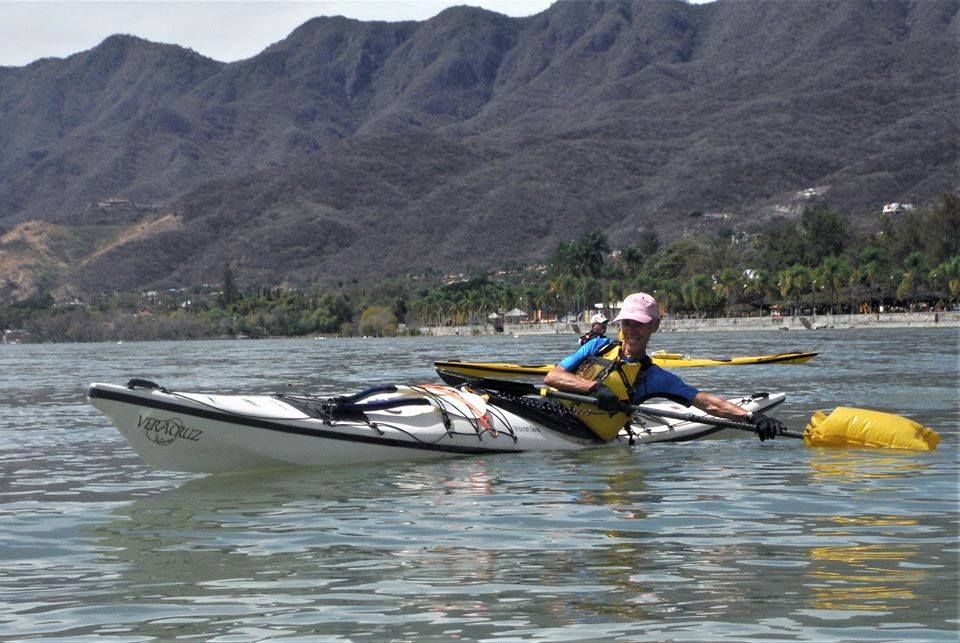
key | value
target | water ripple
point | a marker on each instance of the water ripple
(721, 540)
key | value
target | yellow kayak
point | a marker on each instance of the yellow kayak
(666, 360)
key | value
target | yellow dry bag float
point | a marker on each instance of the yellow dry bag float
(852, 427)
(845, 427)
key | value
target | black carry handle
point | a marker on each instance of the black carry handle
(373, 390)
(383, 404)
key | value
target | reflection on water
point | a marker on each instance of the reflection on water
(865, 578)
(724, 539)
(876, 576)
(855, 466)
(604, 541)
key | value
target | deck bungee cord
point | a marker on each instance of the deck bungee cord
(350, 409)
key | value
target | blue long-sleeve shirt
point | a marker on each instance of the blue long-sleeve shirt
(653, 382)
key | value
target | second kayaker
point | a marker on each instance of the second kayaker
(598, 328)
(621, 371)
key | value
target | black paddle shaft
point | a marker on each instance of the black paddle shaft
(665, 413)
(525, 388)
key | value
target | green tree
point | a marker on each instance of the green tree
(948, 273)
(400, 308)
(940, 230)
(378, 321)
(795, 282)
(779, 246)
(634, 256)
(564, 289)
(873, 270)
(912, 278)
(832, 276)
(679, 260)
(729, 284)
(758, 287)
(699, 295)
(584, 257)
(229, 293)
(632, 260)
(824, 234)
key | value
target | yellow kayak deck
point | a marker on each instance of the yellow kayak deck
(667, 360)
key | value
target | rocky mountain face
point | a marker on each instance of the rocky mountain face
(354, 150)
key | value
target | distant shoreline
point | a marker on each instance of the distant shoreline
(797, 322)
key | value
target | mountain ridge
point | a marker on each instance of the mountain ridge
(350, 149)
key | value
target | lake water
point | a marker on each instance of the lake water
(718, 540)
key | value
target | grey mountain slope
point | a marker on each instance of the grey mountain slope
(354, 149)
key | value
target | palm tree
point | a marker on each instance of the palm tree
(833, 275)
(949, 272)
(589, 290)
(563, 262)
(592, 250)
(785, 284)
(535, 296)
(438, 305)
(489, 300)
(474, 303)
(953, 277)
(912, 277)
(872, 264)
(421, 308)
(698, 294)
(670, 295)
(853, 286)
(759, 284)
(795, 281)
(632, 259)
(506, 297)
(729, 283)
(613, 292)
(564, 288)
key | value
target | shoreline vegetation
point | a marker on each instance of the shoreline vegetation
(946, 319)
(939, 319)
(814, 272)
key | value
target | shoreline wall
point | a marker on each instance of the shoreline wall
(798, 322)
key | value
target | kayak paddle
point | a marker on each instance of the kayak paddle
(844, 427)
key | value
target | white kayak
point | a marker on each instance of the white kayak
(206, 433)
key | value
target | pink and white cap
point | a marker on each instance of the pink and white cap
(639, 307)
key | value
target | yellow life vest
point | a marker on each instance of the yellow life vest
(609, 368)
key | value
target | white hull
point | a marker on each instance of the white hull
(197, 432)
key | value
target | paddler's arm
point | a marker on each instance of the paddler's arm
(767, 427)
(716, 405)
(563, 380)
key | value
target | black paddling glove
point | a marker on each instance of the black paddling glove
(607, 400)
(767, 427)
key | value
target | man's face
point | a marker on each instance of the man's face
(634, 331)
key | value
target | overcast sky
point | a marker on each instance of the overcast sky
(223, 30)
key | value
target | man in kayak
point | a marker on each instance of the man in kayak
(621, 371)
(598, 328)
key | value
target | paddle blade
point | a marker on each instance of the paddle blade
(852, 427)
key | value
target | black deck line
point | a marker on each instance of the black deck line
(272, 425)
(565, 425)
